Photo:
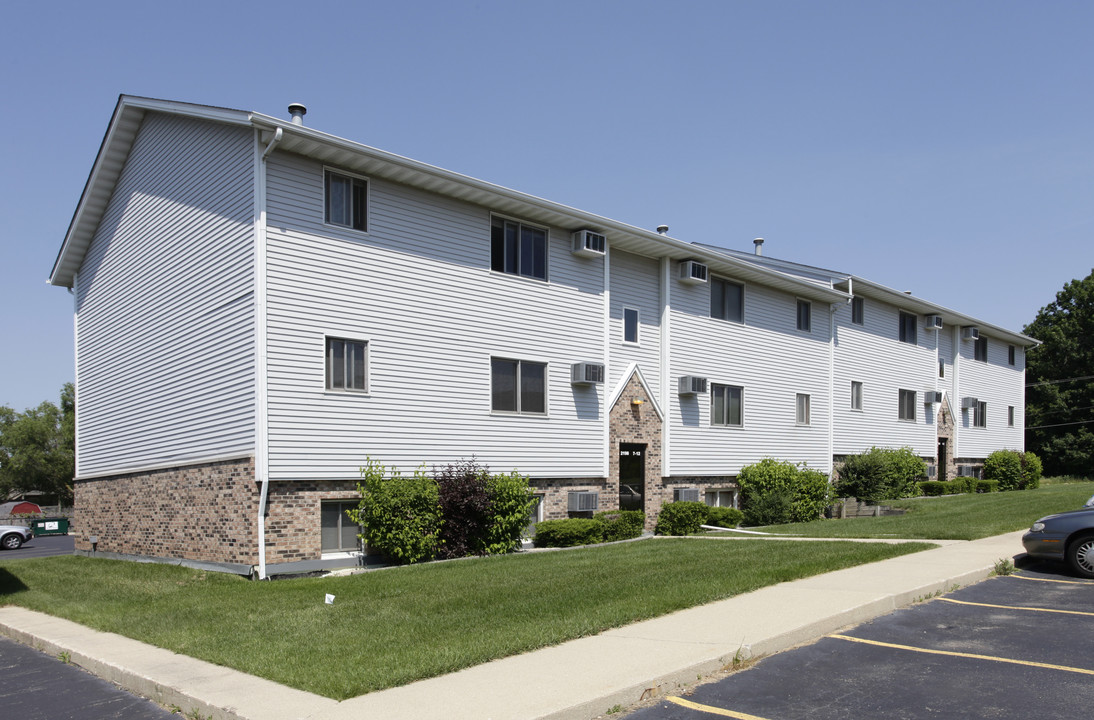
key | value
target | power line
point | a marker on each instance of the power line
(1039, 427)
(1057, 382)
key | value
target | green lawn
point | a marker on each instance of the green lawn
(391, 627)
(954, 517)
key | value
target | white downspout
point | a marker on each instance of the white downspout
(607, 331)
(666, 367)
(262, 437)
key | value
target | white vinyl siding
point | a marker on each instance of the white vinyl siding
(998, 385)
(165, 304)
(429, 372)
(635, 283)
(769, 357)
(873, 354)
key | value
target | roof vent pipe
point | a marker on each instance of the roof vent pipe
(298, 112)
(662, 229)
(759, 243)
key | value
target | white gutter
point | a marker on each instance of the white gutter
(262, 437)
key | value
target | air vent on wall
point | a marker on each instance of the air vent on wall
(586, 373)
(693, 272)
(970, 333)
(930, 397)
(691, 385)
(969, 402)
(932, 322)
(588, 243)
(685, 494)
(582, 501)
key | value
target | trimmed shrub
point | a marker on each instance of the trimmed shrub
(987, 486)
(881, 474)
(773, 506)
(681, 518)
(1031, 468)
(621, 524)
(1013, 470)
(769, 485)
(483, 514)
(568, 533)
(726, 517)
(934, 488)
(963, 485)
(399, 516)
(465, 507)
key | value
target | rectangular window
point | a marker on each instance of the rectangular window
(518, 249)
(1010, 354)
(980, 349)
(856, 395)
(518, 386)
(805, 313)
(720, 498)
(630, 325)
(346, 201)
(857, 305)
(338, 533)
(908, 328)
(941, 368)
(1010, 416)
(727, 300)
(906, 411)
(980, 415)
(726, 405)
(347, 365)
(801, 416)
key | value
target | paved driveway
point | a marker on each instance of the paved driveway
(36, 686)
(1016, 646)
(42, 547)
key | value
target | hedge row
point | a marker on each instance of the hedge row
(603, 527)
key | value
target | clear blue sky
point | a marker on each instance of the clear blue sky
(942, 147)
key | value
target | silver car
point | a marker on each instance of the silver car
(12, 537)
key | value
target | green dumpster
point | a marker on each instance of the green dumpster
(50, 526)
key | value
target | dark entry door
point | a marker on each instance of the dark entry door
(632, 476)
(943, 446)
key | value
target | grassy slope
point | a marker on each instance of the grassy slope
(391, 627)
(959, 517)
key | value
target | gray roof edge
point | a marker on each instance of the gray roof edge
(85, 219)
(901, 299)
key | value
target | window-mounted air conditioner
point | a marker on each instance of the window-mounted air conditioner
(692, 385)
(685, 494)
(582, 501)
(968, 403)
(589, 243)
(931, 397)
(586, 373)
(970, 333)
(693, 272)
(932, 322)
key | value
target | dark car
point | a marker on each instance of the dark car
(1065, 536)
(12, 537)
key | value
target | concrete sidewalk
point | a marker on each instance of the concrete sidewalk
(577, 680)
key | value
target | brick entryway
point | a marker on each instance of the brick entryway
(635, 424)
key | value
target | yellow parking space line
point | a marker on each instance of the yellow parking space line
(1037, 579)
(1015, 607)
(928, 651)
(711, 709)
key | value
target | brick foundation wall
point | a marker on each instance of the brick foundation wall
(201, 512)
(294, 521)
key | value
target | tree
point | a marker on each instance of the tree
(38, 448)
(1060, 381)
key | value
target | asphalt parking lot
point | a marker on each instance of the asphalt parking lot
(1015, 646)
(43, 546)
